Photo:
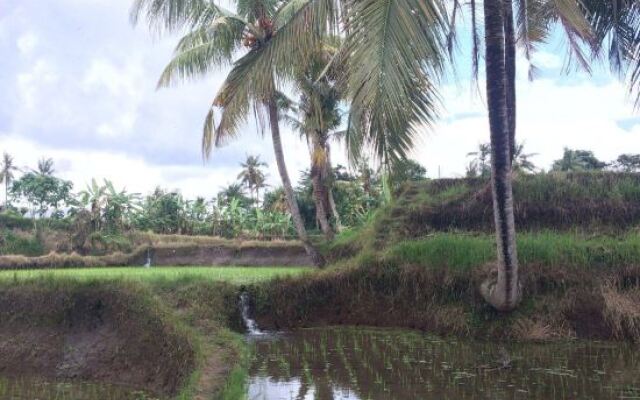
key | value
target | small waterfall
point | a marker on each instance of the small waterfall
(148, 263)
(250, 323)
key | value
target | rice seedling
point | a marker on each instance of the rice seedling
(235, 275)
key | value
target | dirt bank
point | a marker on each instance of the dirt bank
(175, 254)
(556, 201)
(104, 333)
(558, 302)
(252, 254)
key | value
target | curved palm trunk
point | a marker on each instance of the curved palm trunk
(286, 183)
(320, 192)
(504, 293)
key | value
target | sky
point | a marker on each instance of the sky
(78, 84)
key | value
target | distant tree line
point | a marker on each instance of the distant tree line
(571, 161)
(245, 208)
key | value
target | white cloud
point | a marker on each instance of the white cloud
(134, 173)
(549, 117)
(27, 43)
(34, 81)
(124, 81)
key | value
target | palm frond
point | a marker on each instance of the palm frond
(167, 15)
(204, 50)
(535, 19)
(475, 41)
(396, 51)
(616, 28)
(251, 82)
(300, 27)
(571, 16)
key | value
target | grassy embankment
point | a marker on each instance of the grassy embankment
(420, 261)
(166, 330)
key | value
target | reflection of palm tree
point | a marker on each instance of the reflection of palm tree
(7, 176)
(252, 175)
(270, 34)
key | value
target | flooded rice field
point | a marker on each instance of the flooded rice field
(362, 364)
(34, 389)
(375, 364)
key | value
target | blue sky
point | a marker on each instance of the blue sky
(77, 84)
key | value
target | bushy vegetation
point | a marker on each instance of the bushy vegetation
(12, 243)
(102, 219)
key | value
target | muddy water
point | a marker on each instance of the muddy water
(32, 389)
(357, 364)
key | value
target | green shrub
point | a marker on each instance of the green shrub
(13, 244)
(102, 243)
(15, 221)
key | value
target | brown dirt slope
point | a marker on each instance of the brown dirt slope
(554, 201)
(95, 332)
(175, 254)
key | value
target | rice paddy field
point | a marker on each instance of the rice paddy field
(233, 275)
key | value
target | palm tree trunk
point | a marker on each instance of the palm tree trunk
(320, 193)
(510, 68)
(332, 201)
(504, 293)
(316, 257)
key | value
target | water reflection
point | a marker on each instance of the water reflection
(357, 364)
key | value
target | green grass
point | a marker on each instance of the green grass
(234, 275)
(547, 248)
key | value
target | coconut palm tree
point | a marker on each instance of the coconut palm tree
(481, 162)
(522, 161)
(252, 175)
(397, 50)
(480, 165)
(317, 116)
(45, 167)
(7, 170)
(231, 192)
(260, 38)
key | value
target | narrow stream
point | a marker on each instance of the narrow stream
(362, 364)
